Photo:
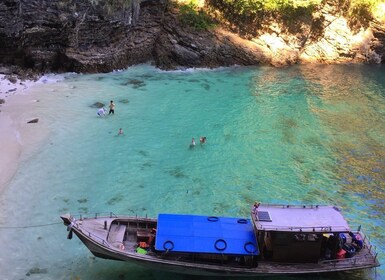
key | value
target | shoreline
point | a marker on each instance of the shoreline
(17, 136)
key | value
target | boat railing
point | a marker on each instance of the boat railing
(371, 250)
(94, 215)
(88, 216)
(310, 229)
(295, 205)
(366, 241)
(94, 237)
(111, 215)
(356, 260)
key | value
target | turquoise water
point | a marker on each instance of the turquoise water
(304, 134)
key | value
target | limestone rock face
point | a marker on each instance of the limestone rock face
(75, 35)
(184, 47)
(340, 44)
(98, 36)
(377, 45)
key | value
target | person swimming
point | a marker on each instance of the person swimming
(120, 132)
(101, 112)
(203, 139)
(192, 145)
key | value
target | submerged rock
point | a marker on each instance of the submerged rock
(36, 120)
(124, 101)
(82, 200)
(36, 270)
(97, 105)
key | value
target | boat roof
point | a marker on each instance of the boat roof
(302, 218)
(205, 234)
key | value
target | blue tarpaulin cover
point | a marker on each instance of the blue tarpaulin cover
(204, 234)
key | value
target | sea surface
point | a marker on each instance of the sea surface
(301, 134)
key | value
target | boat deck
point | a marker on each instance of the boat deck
(95, 228)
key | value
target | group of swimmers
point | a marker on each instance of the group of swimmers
(102, 112)
(202, 140)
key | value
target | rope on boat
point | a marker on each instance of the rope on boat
(31, 226)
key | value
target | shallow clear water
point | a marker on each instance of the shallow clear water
(304, 134)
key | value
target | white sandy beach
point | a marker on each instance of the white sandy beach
(17, 137)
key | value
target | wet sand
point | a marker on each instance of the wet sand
(17, 136)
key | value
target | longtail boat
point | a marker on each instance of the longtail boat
(275, 240)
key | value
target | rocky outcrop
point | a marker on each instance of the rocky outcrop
(100, 36)
(326, 37)
(179, 46)
(340, 44)
(75, 35)
(377, 44)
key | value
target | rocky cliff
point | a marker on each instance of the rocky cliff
(100, 36)
(75, 35)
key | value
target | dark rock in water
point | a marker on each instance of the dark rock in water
(115, 199)
(97, 105)
(143, 153)
(124, 101)
(33, 120)
(36, 270)
(82, 200)
(134, 82)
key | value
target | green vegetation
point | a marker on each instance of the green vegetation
(270, 5)
(247, 17)
(365, 4)
(361, 11)
(253, 6)
(246, 7)
(195, 17)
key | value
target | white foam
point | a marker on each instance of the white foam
(51, 78)
(201, 69)
(8, 87)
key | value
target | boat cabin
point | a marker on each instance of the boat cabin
(298, 234)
